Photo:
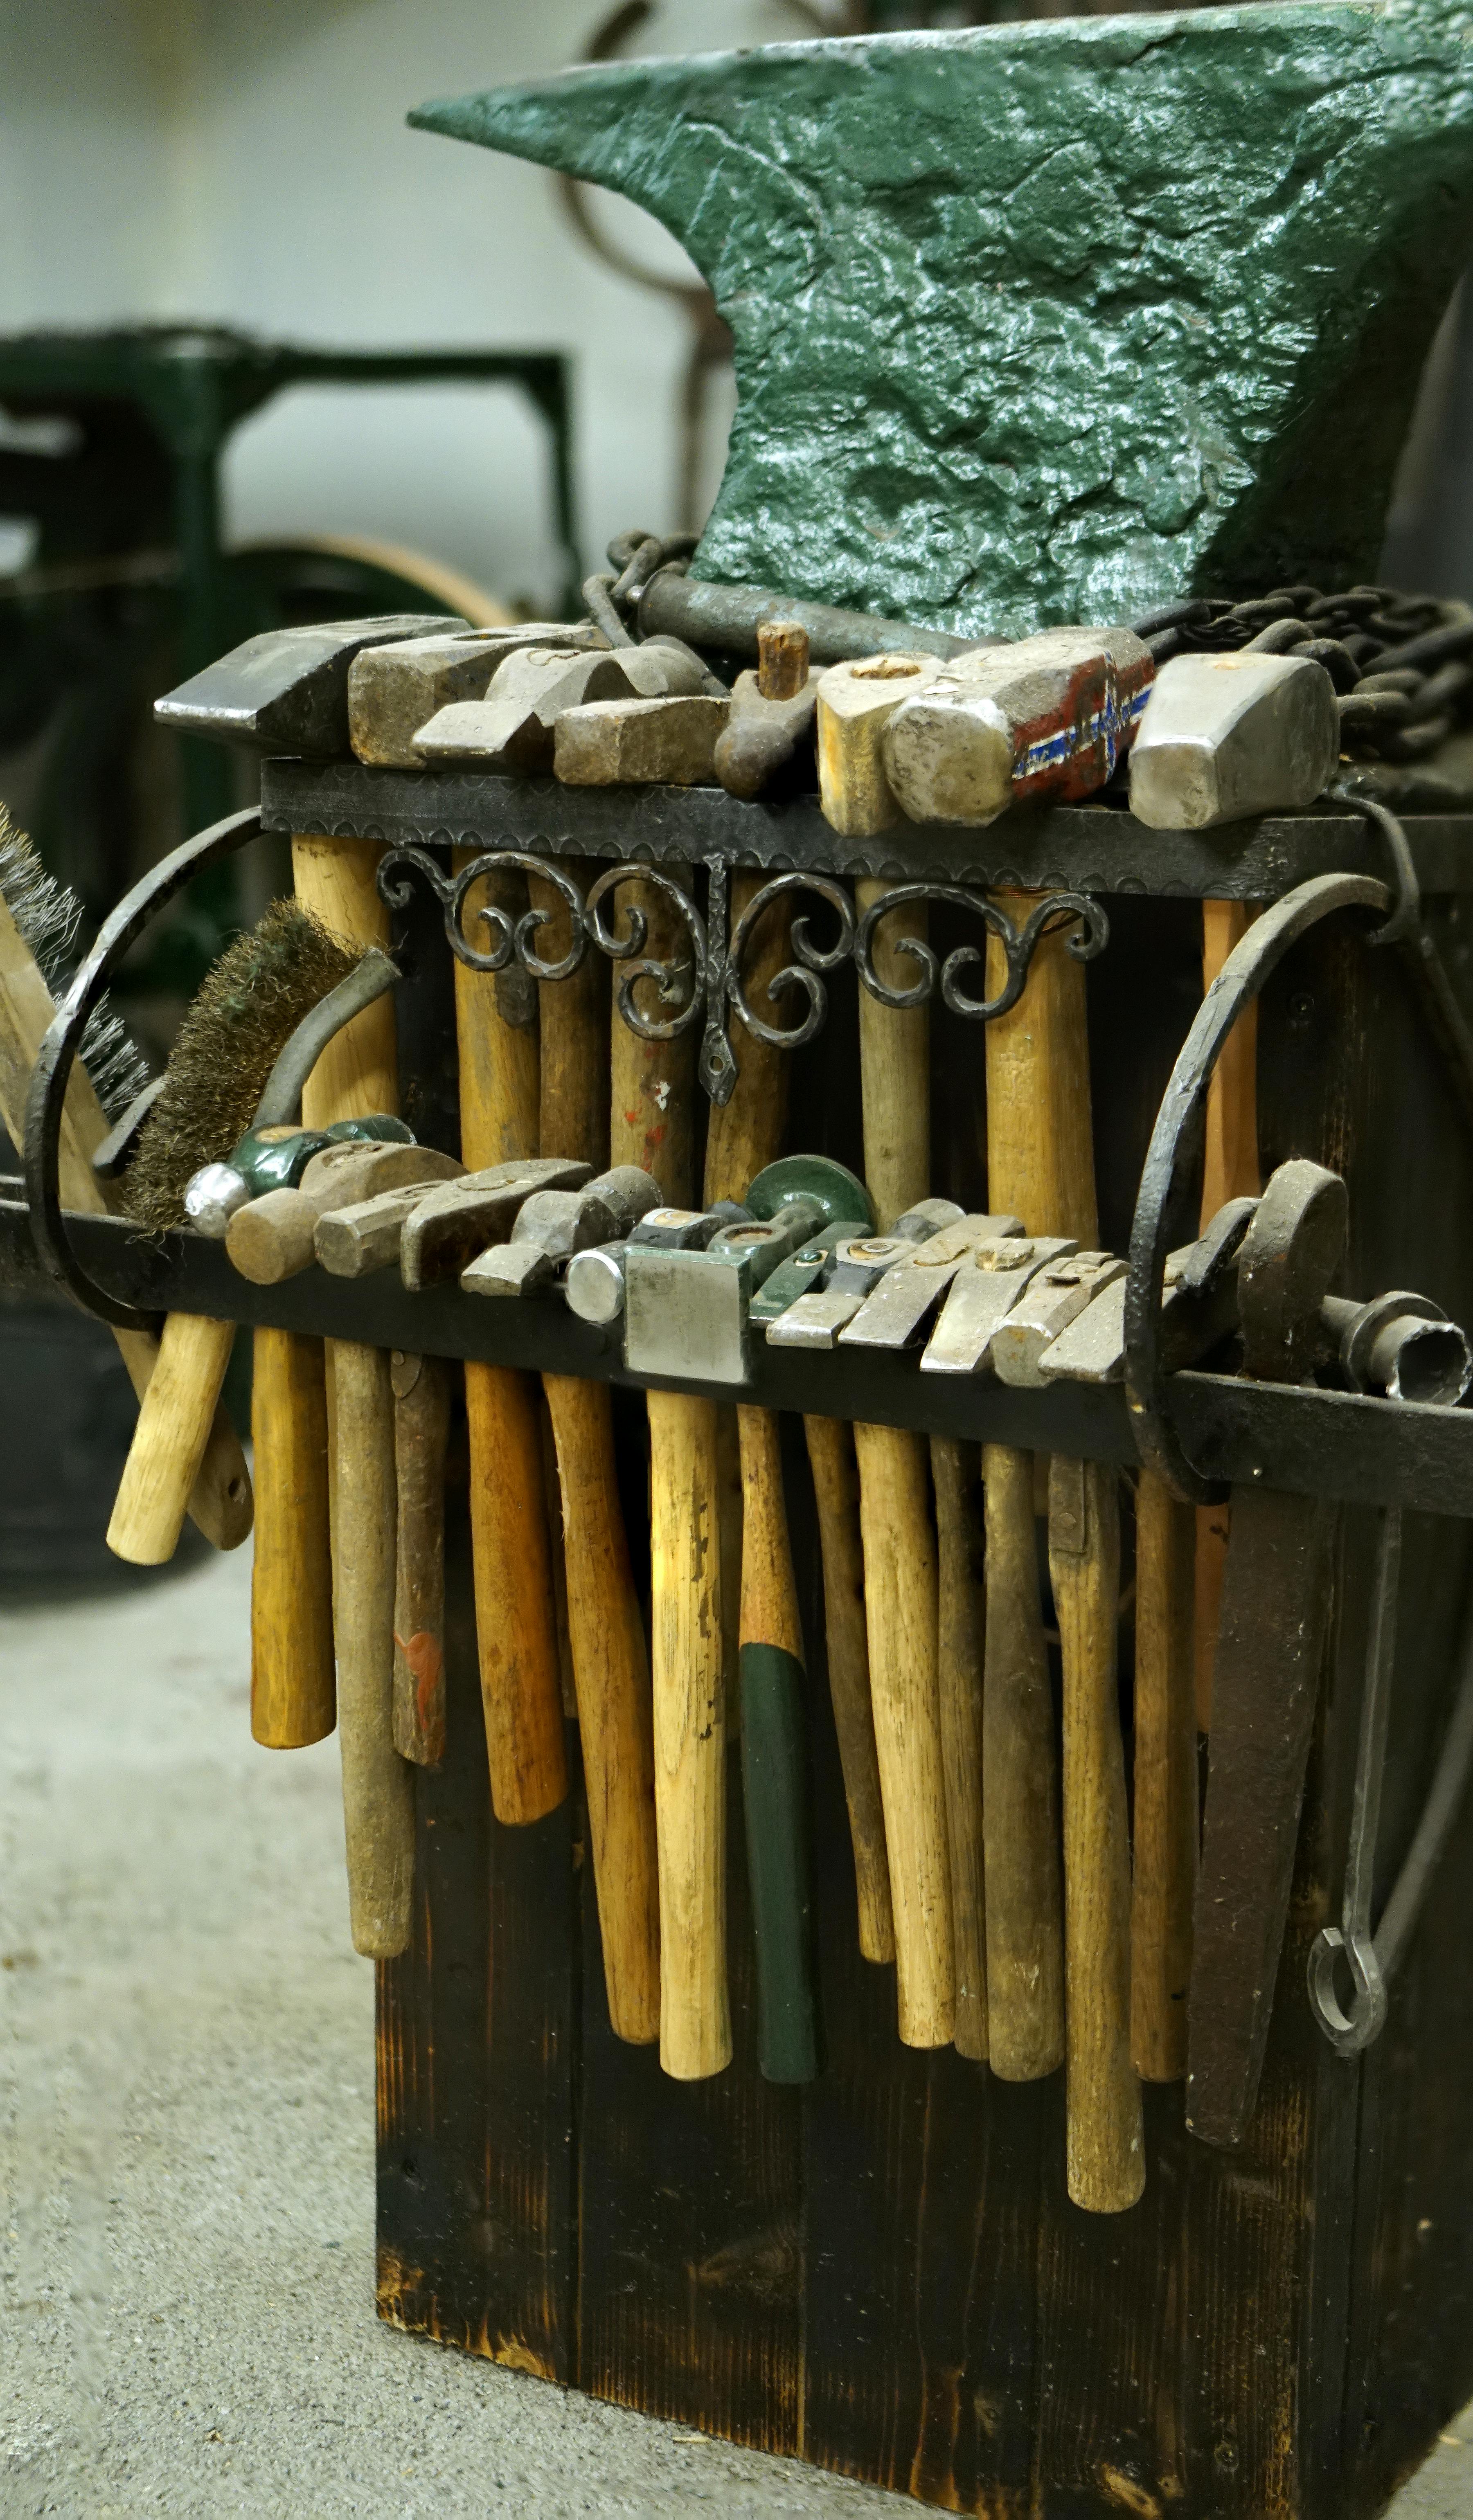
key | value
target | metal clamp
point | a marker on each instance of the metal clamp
(52, 1073)
(1169, 1180)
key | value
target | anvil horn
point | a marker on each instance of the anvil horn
(1050, 322)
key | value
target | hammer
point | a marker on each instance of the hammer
(1275, 1606)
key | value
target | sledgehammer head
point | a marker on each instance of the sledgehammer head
(1224, 737)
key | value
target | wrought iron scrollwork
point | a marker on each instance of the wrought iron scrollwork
(709, 979)
(1079, 911)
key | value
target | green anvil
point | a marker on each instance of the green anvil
(1050, 322)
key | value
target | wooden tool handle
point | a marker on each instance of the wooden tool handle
(652, 1103)
(902, 1618)
(520, 1686)
(421, 1437)
(220, 1504)
(690, 1736)
(894, 1067)
(1040, 1147)
(359, 1071)
(836, 1493)
(293, 1690)
(1106, 2145)
(1021, 1787)
(746, 1133)
(775, 1764)
(573, 1026)
(611, 1669)
(170, 1440)
(516, 1631)
(378, 1785)
(1165, 1782)
(1230, 1170)
(961, 1645)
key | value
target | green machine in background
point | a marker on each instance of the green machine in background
(112, 452)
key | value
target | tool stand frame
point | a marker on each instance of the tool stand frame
(881, 2272)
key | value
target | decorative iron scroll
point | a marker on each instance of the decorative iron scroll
(707, 979)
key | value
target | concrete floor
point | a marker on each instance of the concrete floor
(185, 2129)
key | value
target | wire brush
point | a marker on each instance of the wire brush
(249, 1003)
(47, 917)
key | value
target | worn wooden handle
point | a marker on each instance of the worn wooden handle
(378, 1785)
(1165, 1782)
(961, 1643)
(572, 1024)
(652, 1100)
(1024, 1941)
(836, 1493)
(170, 1439)
(1106, 2147)
(293, 1690)
(520, 1686)
(775, 1764)
(219, 1502)
(900, 1616)
(421, 1437)
(611, 1669)
(690, 1736)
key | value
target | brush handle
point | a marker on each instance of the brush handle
(836, 1494)
(516, 1627)
(421, 1439)
(690, 1736)
(1105, 2147)
(378, 1785)
(293, 1686)
(775, 1764)
(1020, 1812)
(611, 1667)
(170, 1440)
(220, 1498)
(1165, 1782)
(960, 1650)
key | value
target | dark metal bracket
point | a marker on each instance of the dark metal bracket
(708, 980)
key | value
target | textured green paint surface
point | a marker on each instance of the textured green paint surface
(1044, 322)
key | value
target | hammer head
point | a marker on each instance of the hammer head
(287, 689)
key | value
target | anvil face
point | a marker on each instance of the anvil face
(1050, 322)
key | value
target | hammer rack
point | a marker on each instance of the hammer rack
(1205, 1432)
(881, 2272)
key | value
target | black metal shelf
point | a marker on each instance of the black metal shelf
(1082, 849)
(1307, 1441)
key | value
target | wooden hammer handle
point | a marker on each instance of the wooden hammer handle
(293, 1686)
(611, 1671)
(961, 1641)
(836, 1494)
(902, 1618)
(775, 1764)
(1165, 1782)
(516, 1631)
(690, 1736)
(378, 1785)
(1021, 1787)
(1105, 2148)
(421, 1439)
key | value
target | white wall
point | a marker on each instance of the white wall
(246, 161)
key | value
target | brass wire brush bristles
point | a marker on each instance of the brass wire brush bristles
(248, 1004)
(47, 917)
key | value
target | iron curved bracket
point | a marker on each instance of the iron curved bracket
(52, 1072)
(1172, 1171)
